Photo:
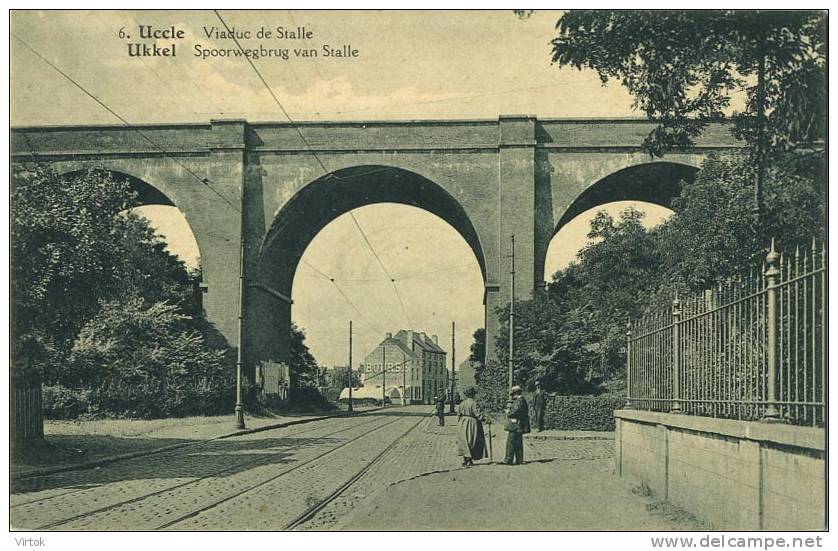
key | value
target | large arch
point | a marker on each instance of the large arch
(657, 182)
(305, 214)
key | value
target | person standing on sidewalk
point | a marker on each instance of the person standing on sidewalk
(517, 425)
(440, 409)
(471, 440)
(538, 399)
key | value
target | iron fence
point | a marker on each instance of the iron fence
(752, 347)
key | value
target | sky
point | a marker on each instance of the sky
(410, 65)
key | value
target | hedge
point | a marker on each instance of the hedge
(581, 412)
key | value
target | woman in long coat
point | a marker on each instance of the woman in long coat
(471, 440)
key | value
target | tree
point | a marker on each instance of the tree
(616, 272)
(302, 365)
(63, 251)
(553, 345)
(102, 313)
(492, 390)
(478, 346)
(64, 247)
(711, 236)
(75, 246)
(572, 339)
(683, 67)
(147, 269)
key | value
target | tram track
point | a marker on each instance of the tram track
(308, 514)
(238, 466)
(159, 455)
(21, 485)
(253, 487)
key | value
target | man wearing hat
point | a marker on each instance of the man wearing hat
(517, 425)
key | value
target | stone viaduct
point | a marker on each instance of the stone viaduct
(257, 191)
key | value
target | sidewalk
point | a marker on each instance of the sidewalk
(70, 445)
(566, 484)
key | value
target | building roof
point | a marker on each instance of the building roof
(420, 340)
(392, 341)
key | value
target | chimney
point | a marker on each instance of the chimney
(408, 338)
(389, 335)
(435, 339)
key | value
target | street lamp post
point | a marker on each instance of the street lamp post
(239, 410)
(512, 314)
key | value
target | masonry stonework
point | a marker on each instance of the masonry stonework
(258, 192)
(736, 475)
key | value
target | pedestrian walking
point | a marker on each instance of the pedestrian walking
(517, 425)
(440, 409)
(471, 439)
(538, 402)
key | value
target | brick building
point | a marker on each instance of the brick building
(409, 363)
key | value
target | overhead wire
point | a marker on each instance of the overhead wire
(203, 181)
(165, 82)
(342, 294)
(308, 146)
(352, 304)
(383, 267)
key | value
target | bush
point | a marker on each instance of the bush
(302, 400)
(59, 402)
(142, 361)
(492, 385)
(309, 399)
(582, 412)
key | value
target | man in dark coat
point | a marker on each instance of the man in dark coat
(538, 407)
(440, 409)
(517, 425)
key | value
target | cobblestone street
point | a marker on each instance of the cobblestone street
(315, 476)
(187, 488)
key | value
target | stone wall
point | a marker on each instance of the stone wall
(736, 475)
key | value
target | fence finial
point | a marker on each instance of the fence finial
(772, 261)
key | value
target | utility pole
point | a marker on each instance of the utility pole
(404, 377)
(453, 368)
(239, 403)
(512, 314)
(349, 409)
(383, 375)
